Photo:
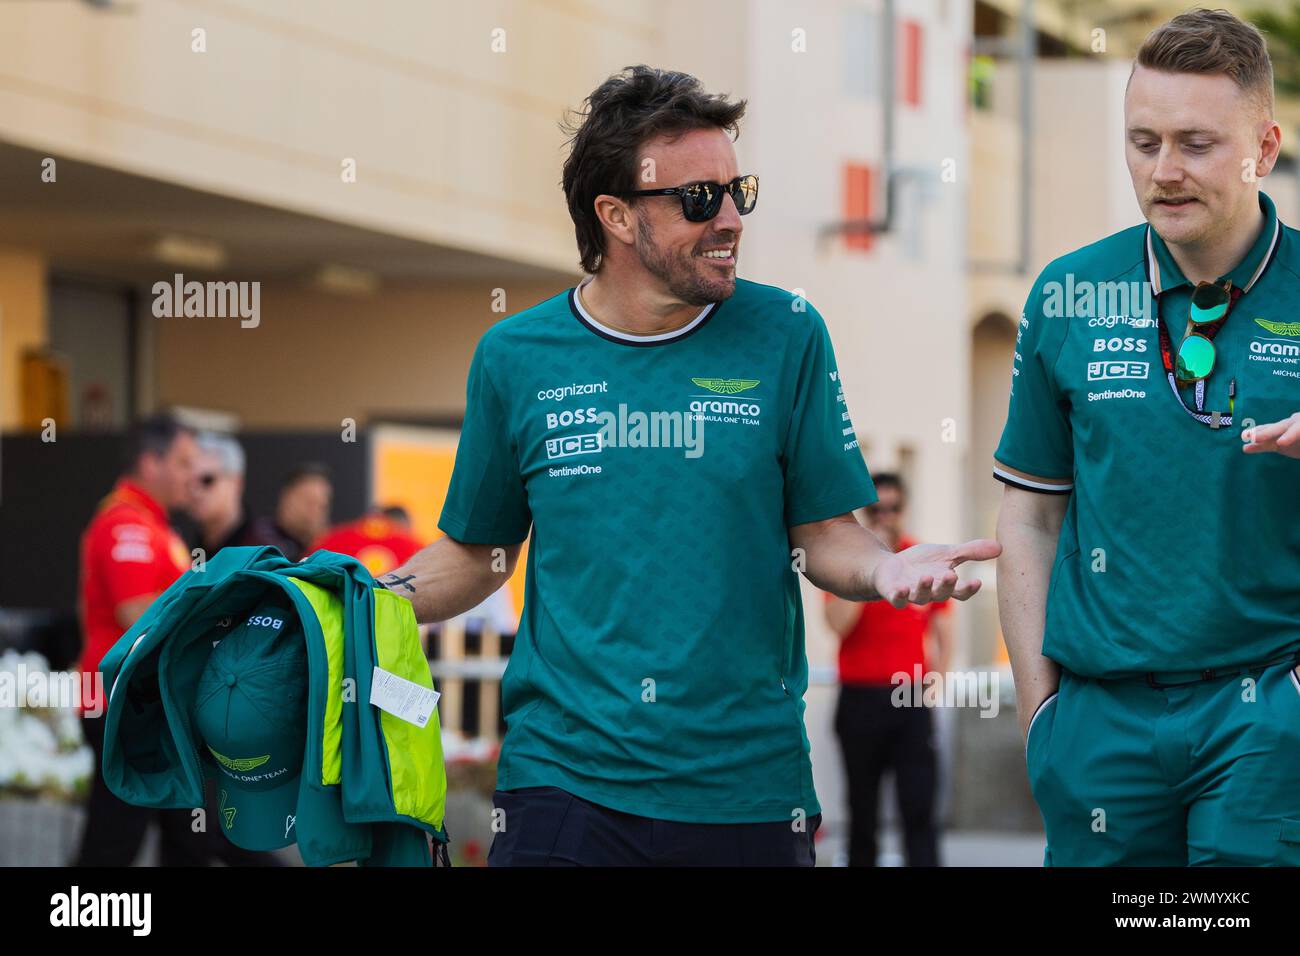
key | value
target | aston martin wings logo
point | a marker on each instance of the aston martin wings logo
(1280, 328)
(726, 386)
(241, 764)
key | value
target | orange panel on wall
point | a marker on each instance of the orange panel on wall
(857, 203)
(412, 467)
(909, 78)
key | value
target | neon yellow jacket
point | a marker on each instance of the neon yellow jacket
(373, 784)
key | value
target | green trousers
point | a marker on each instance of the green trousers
(1205, 773)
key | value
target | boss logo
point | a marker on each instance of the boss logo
(574, 416)
(571, 445)
(260, 620)
(1119, 345)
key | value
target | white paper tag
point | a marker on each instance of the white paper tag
(402, 698)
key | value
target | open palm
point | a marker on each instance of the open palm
(927, 572)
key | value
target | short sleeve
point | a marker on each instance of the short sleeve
(132, 557)
(486, 502)
(825, 474)
(1037, 440)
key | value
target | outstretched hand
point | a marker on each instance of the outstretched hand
(925, 573)
(1282, 437)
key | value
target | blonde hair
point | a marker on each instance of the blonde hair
(1214, 42)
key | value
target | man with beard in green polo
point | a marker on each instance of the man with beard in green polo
(678, 443)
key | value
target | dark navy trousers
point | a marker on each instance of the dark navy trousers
(547, 826)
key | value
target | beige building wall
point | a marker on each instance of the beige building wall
(287, 92)
(315, 359)
(455, 143)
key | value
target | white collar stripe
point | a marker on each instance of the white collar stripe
(627, 336)
(1259, 270)
(1153, 265)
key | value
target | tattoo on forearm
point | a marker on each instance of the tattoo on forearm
(391, 581)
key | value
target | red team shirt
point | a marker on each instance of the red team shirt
(129, 550)
(886, 640)
(378, 543)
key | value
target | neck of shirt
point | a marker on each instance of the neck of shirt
(1226, 263)
(1165, 272)
(619, 331)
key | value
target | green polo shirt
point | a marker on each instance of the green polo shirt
(659, 667)
(1178, 551)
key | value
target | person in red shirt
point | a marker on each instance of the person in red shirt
(130, 555)
(381, 540)
(883, 648)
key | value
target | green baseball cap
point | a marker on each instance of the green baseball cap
(251, 713)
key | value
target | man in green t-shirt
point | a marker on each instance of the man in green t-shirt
(1150, 580)
(678, 443)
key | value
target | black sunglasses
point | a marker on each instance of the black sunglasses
(701, 201)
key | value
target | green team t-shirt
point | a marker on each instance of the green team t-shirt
(1178, 551)
(659, 667)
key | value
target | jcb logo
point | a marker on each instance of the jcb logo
(1103, 371)
(570, 445)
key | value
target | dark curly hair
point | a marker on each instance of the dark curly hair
(631, 107)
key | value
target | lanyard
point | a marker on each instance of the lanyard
(1214, 419)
